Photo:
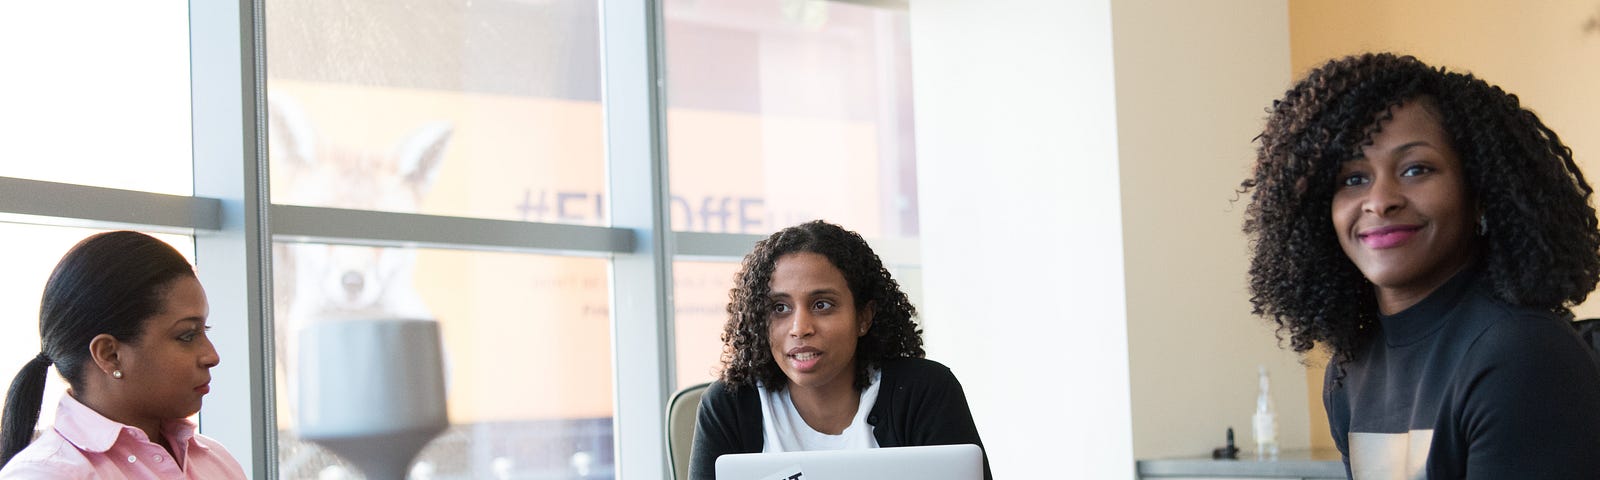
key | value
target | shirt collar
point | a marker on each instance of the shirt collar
(182, 431)
(1427, 316)
(92, 432)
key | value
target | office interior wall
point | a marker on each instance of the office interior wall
(1547, 53)
(1193, 81)
(1022, 228)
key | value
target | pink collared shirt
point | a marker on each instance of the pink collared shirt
(84, 444)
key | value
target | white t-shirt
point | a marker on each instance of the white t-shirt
(784, 431)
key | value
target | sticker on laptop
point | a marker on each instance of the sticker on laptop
(786, 473)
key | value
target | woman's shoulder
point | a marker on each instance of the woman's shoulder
(219, 459)
(215, 447)
(1508, 336)
(916, 370)
(48, 457)
(1492, 322)
(719, 393)
(1526, 330)
(1492, 319)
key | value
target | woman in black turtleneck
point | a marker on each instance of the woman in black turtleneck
(1431, 233)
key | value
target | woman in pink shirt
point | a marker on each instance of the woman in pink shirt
(123, 319)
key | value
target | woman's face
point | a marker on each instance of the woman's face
(168, 370)
(1401, 210)
(813, 325)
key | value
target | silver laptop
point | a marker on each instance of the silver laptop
(941, 462)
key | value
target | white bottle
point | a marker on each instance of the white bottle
(1265, 422)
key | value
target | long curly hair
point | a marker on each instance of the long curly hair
(746, 351)
(1541, 248)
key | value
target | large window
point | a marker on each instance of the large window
(564, 186)
(781, 112)
(787, 111)
(482, 108)
(525, 337)
(72, 114)
(98, 99)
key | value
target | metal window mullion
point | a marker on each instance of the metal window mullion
(392, 229)
(226, 85)
(65, 204)
(633, 95)
(722, 247)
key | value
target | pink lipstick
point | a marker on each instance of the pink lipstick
(1388, 237)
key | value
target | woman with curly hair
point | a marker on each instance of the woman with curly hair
(1431, 233)
(820, 353)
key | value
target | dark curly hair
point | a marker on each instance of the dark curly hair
(746, 351)
(1541, 249)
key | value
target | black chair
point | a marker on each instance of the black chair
(1589, 329)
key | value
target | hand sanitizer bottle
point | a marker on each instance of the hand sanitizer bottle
(1265, 422)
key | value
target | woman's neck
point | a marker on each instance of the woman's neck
(828, 409)
(1392, 300)
(108, 408)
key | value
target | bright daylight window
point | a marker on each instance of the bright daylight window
(486, 112)
(482, 108)
(107, 104)
(781, 112)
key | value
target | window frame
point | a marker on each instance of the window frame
(234, 225)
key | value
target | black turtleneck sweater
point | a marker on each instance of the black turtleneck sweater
(1462, 385)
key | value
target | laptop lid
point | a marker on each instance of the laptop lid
(938, 462)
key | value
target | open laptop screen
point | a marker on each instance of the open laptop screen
(939, 462)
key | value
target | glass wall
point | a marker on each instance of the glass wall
(486, 109)
(478, 108)
(68, 118)
(99, 99)
(450, 161)
(781, 113)
(525, 343)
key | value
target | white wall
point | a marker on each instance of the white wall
(1021, 228)
(1084, 270)
(1193, 82)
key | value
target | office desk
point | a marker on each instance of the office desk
(1290, 464)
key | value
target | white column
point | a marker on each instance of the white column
(234, 263)
(641, 279)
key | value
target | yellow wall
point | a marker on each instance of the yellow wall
(1193, 346)
(1545, 52)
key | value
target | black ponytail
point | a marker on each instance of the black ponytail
(22, 408)
(108, 283)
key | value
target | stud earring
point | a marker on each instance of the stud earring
(116, 374)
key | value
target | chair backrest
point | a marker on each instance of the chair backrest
(1589, 329)
(682, 411)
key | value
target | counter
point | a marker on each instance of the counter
(1290, 464)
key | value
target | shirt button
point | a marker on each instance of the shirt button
(160, 458)
(132, 458)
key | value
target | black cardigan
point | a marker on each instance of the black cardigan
(919, 403)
